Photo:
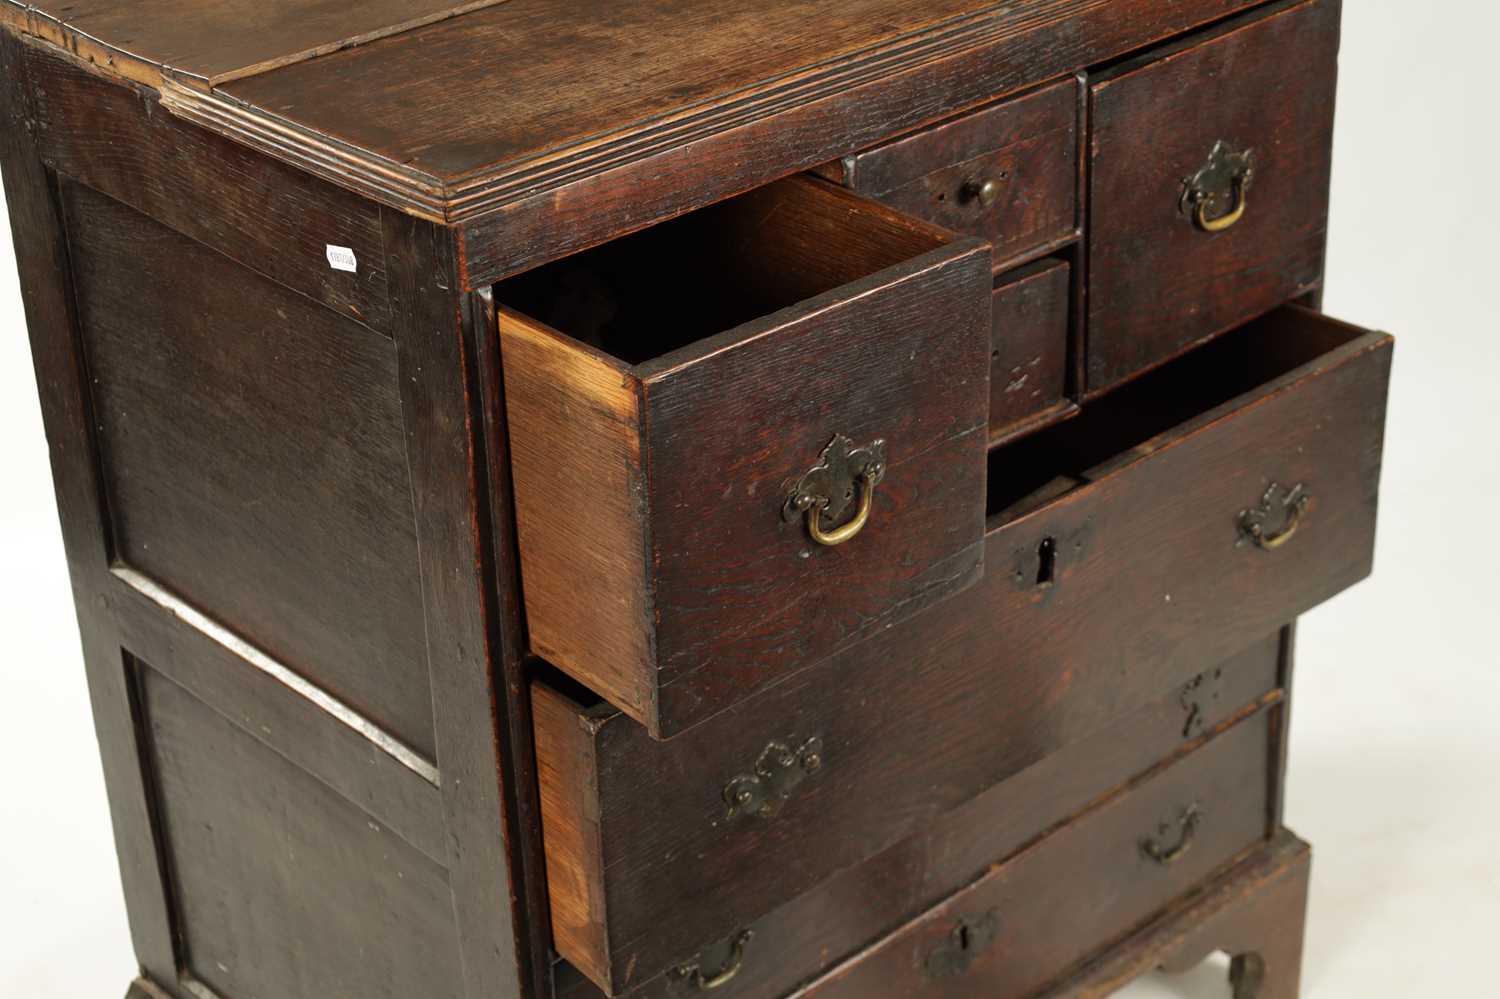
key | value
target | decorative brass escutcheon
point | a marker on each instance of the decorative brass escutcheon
(1167, 848)
(692, 971)
(778, 772)
(1215, 197)
(826, 490)
(1274, 522)
(964, 944)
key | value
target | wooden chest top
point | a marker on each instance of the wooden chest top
(539, 116)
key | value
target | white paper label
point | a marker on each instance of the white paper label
(341, 258)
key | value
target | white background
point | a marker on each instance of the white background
(1396, 738)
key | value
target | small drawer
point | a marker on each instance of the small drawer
(1081, 887)
(800, 939)
(1029, 345)
(684, 402)
(1208, 185)
(1007, 173)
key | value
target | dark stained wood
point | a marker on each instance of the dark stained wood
(697, 122)
(436, 328)
(518, 765)
(1147, 583)
(924, 808)
(1089, 881)
(42, 263)
(1257, 910)
(213, 43)
(242, 425)
(1029, 343)
(269, 869)
(266, 215)
(1157, 283)
(308, 498)
(1027, 145)
(399, 792)
(650, 475)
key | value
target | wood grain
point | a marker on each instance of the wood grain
(656, 127)
(1258, 907)
(43, 268)
(279, 884)
(208, 44)
(674, 874)
(241, 425)
(1088, 882)
(268, 216)
(1029, 343)
(567, 772)
(1157, 283)
(1027, 145)
(576, 457)
(820, 927)
(747, 345)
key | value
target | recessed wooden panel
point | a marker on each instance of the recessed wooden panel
(254, 458)
(280, 887)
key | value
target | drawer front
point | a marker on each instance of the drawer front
(1007, 173)
(1209, 185)
(1081, 887)
(1029, 344)
(811, 932)
(665, 560)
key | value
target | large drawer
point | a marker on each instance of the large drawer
(690, 405)
(1081, 887)
(1208, 184)
(817, 929)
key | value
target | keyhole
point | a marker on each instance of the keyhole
(965, 941)
(1046, 562)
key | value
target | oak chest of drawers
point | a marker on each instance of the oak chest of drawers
(759, 498)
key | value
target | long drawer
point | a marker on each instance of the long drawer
(1169, 528)
(704, 415)
(1079, 888)
(812, 932)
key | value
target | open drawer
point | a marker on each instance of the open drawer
(702, 512)
(1220, 495)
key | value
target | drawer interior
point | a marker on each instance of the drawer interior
(1127, 423)
(664, 288)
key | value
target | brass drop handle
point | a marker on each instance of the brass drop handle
(826, 489)
(1164, 850)
(1285, 506)
(693, 974)
(1221, 222)
(1225, 173)
(815, 507)
(986, 192)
